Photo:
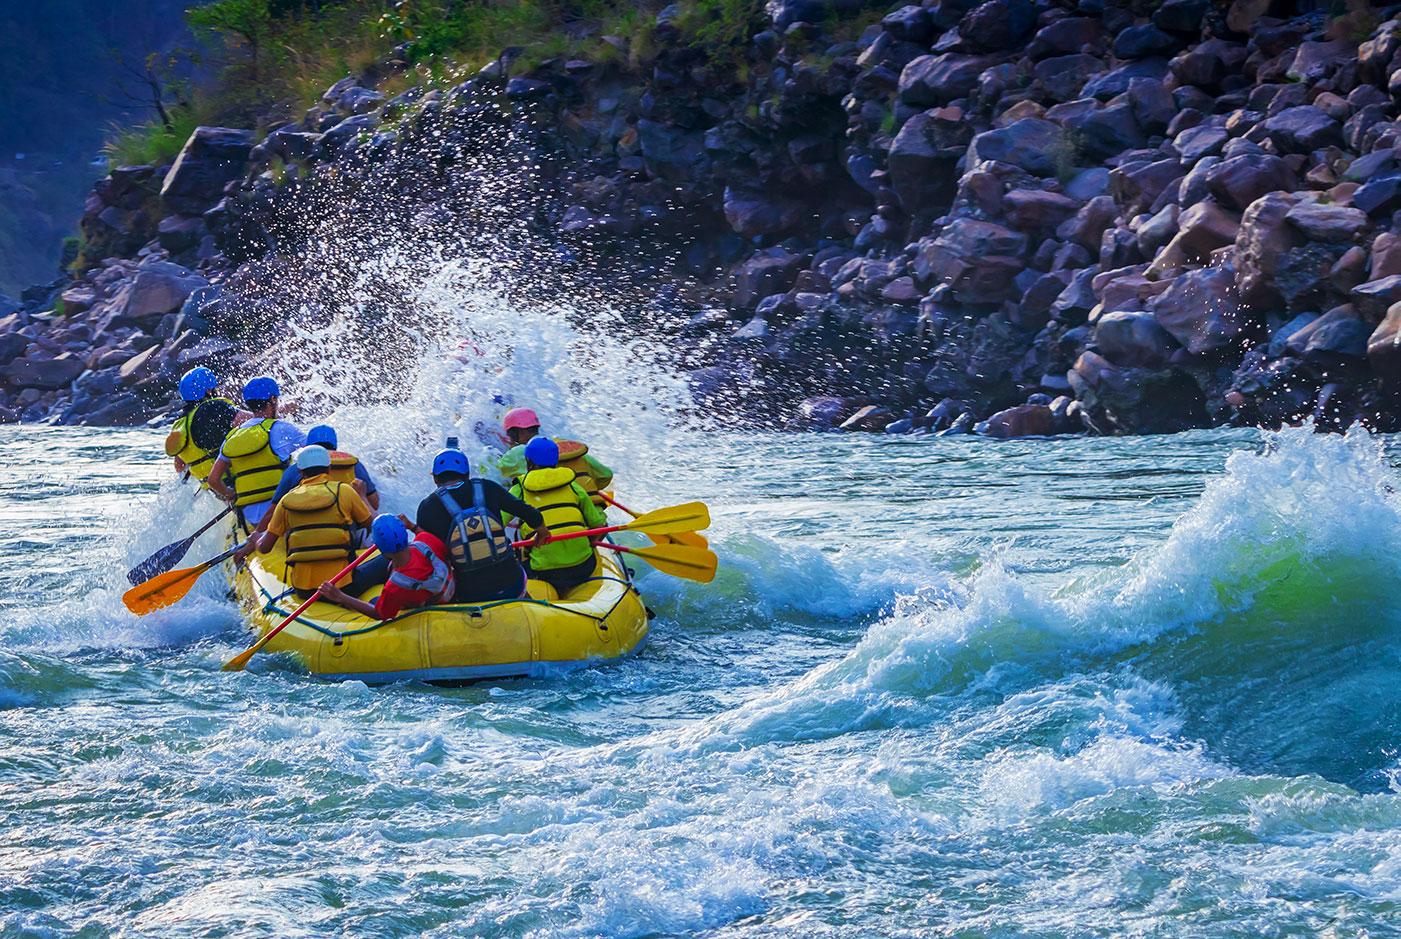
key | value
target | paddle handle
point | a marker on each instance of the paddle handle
(616, 504)
(210, 524)
(587, 533)
(237, 663)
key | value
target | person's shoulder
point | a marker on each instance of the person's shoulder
(434, 542)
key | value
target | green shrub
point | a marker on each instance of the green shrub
(152, 142)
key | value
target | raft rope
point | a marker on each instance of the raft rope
(473, 610)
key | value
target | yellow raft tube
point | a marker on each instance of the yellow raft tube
(602, 619)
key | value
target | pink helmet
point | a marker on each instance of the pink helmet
(518, 418)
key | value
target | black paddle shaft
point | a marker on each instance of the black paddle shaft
(166, 558)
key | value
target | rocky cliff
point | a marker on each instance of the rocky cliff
(1014, 217)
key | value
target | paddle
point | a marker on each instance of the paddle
(678, 560)
(169, 556)
(687, 517)
(164, 589)
(682, 537)
(238, 662)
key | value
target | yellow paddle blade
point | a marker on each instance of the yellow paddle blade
(162, 591)
(689, 538)
(680, 561)
(692, 516)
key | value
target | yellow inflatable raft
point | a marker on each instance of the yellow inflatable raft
(602, 619)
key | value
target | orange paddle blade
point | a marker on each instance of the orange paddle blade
(163, 590)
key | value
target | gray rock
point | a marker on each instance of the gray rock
(45, 373)
(1202, 310)
(1115, 82)
(1035, 145)
(938, 79)
(1133, 339)
(1331, 223)
(1374, 298)
(211, 158)
(1241, 180)
(1302, 129)
(1141, 42)
(158, 288)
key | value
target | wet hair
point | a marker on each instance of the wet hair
(451, 476)
(256, 405)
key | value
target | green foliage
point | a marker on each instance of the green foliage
(721, 28)
(249, 22)
(153, 143)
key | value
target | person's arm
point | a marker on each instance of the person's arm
(339, 597)
(601, 474)
(290, 477)
(509, 504)
(512, 463)
(216, 479)
(355, 507)
(593, 515)
(371, 492)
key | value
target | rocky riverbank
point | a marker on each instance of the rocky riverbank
(1013, 217)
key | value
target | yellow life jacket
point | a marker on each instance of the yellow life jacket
(317, 528)
(343, 467)
(477, 538)
(255, 468)
(180, 442)
(552, 492)
(571, 456)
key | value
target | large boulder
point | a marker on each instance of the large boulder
(1380, 196)
(938, 79)
(1265, 239)
(1141, 42)
(1024, 420)
(210, 159)
(751, 213)
(1334, 223)
(1302, 129)
(1107, 132)
(159, 287)
(1064, 37)
(764, 274)
(1038, 211)
(1133, 339)
(922, 158)
(997, 25)
(1200, 230)
(1116, 81)
(1064, 76)
(1202, 310)
(1035, 145)
(1241, 180)
(977, 260)
(45, 373)
(1374, 298)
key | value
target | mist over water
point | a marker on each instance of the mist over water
(1095, 687)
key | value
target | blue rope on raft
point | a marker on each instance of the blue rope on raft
(475, 610)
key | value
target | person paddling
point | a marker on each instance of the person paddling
(319, 518)
(345, 467)
(551, 490)
(415, 573)
(466, 515)
(522, 425)
(194, 441)
(255, 454)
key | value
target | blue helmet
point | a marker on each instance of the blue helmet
(451, 460)
(542, 451)
(389, 534)
(323, 434)
(196, 383)
(260, 389)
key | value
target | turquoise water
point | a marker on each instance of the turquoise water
(940, 687)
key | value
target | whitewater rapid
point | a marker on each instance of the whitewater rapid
(1070, 687)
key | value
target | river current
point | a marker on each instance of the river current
(1074, 687)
